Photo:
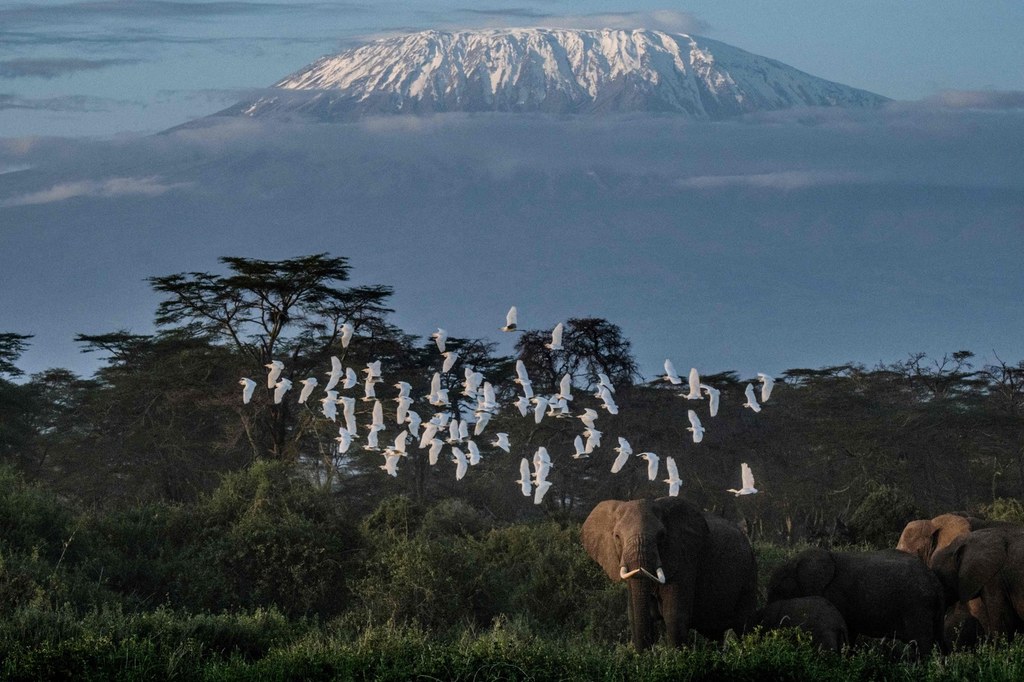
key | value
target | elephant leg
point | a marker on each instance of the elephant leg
(675, 614)
(997, 614)
(642, 613)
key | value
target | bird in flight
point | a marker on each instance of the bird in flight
(280, 388)
(767, 384)
(511, 322)
(713, 397)
(747, 479)
(346, 334)
(501, 442)
(307, 389)
(440, 336)
(670, 373)
(673, 480)
(334, 376)
(556, 338)
(652, 464)
(248, 386)
(525, 482)
(751, 399)
(624, 450)
(695, 426)
(275, 367)
(694, 385)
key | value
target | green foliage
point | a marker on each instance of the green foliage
(879, 519)
(1004, 509)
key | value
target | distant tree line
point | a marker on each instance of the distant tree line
(162, 420)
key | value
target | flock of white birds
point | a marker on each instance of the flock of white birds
(465, 452)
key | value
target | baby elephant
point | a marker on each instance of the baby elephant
(879, 594)
(815, 615)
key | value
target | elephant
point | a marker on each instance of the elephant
(923, 538)
(816, 615)
(682, 566)
(986, 565)
(879, 594)
(926, 536)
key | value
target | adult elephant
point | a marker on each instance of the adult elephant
(879, 594)
(923, 538)
(987, 565)
(682, 566)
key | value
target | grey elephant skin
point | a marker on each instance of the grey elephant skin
(923, 538)
(815, 615)
(879, 594)
(681, 566)
(986, 565)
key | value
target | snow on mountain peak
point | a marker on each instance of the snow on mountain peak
(548, 70)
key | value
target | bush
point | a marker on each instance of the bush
(1004, 509)
(881, 516)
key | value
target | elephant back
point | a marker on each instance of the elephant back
(726, 589)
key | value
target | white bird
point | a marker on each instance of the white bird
(521, 376)
(349, 407)
(565, 388)
(329, 405)
(523, 405)
(713, 397)
(694, 385)
(334, 376)
(624, 450)
(747, 479)
(402, 412)
(541, 404)
(450, 358)
(652, 464)
(346, 334)
(673, 480)
(603, 380)
(280, 388)
(541, 457)
(474, 452)
(390, 464)
(461, 463)
(593, 440)
(435, 449)
(751, 399)
(373, 371)
(351, 379)
(501, 442)
(307, 389)
(463, 429)
(525, 483)
(400, 441)
(369, 390)
(767, 384)
(542, 489)
(413, 419)
(344, 440)
(670, 373)
(427, 437)
(248, 386)
(490, 401)
(371, 441)
(588, 417)
(609, 401)
(453, 432)
(510, 320)
(403, 390)
(556, 338)
(580, 450)
(557, 406)
(695, 426)
(275, 367)
(378, 416)
(481, 423)
(440, 336)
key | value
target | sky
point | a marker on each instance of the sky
(787, 240)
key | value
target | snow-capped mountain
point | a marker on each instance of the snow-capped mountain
(548, 70)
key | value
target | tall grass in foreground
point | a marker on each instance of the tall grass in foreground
(264, 645)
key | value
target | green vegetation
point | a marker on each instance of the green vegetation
(151, 526)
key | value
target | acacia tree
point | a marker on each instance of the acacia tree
(589, 345)
(291, 310)
(15, 404)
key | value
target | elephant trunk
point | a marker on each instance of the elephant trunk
(640, 558)
(642, 606)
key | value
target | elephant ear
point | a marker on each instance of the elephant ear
(978, 557)
(688, 533)
(815, 570)
(597, 537)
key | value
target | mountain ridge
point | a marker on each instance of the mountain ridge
(561, 71)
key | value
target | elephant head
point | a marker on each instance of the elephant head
(656, 540)
(924, 537)
(807, 575)
(970, 562)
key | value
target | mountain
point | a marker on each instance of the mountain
(557, 71)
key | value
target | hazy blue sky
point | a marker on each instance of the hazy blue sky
(103, 68)
(766, 243)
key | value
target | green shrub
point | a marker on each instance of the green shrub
(879, 519)
(1004, 509)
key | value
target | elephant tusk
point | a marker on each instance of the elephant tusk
(661, 575)
(624, 574)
